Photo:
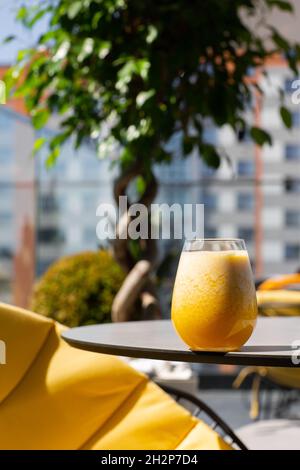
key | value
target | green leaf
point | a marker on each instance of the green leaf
(22, 13)
(104, 49)
(74, 9)
(52, 157)
(286, 117)
(126, 157)
(140, 185)
(198, 124)
(281, 4)
(144, 96)
(38, 144)
(96, 18)
(260, 136)
(152, 34)
(35, 18)
(134, 249)
(32, 14)
(22, 54)
(2, 92)
(293, 61)
(106, 147)
(86, 49)
(188, 144)
(142, 67)
(58, 140)
(280, 41)
(209, 155)
(40, 118)
(8, 39)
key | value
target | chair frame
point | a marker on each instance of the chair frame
(270, 408)
(216, 423)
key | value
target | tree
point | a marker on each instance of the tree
(128, 74)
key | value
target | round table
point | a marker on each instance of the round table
(275, 342)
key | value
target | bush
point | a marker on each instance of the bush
(79, 289)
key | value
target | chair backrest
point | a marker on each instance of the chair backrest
(280, 282)
(53, 396)
(199, 408)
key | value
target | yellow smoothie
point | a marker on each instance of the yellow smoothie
(214, 303)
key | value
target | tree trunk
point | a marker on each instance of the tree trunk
(136, 297)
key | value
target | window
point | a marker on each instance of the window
(292, 152)
(251, 71)
(6, 156)
(6, 193)
(50, 235)
(288, 85)
(91, 167)
(207, 171)
(61, 165)
(90, 236)
(246, 168)
(244, 136)
(48, 203)
(91, 200)
(6, 217)
(296, 119)
(43, 265)
(246, 233)
(209, 201)
(292, 186)
(245, 201)
(292, 251)
(292, 218)
(210, 232)
(5, 252)
(6, 122)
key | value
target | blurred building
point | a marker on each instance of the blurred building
(255, 196)
(265, 209)
(45, 214)
(17, 214)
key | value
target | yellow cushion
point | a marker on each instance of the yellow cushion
(287, 377)
(147, 411)
(58, 397)
(281, 298)
(202, 437)
(280, 282)
(24, 334)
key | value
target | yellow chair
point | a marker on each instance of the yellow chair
(274, 300)
(55, 397)
(280, 282)
(278, 303)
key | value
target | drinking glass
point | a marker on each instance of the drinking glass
(214, 304)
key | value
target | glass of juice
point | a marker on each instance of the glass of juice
(214, 300)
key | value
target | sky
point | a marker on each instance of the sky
(9, 26)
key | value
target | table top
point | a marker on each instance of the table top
(271, 344)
